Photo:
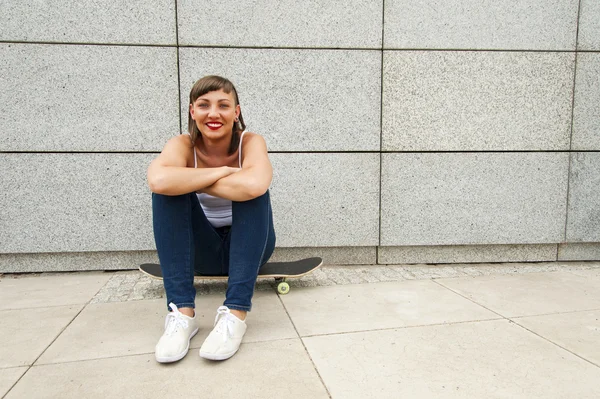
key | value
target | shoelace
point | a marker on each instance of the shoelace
(224, 322)
(174, 320)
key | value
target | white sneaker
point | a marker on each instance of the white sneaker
(175, 342)
(224, 340)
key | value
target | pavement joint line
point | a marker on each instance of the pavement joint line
(556, 344)
(29, 366)
(406, 327)
(469, 299)
(44, 307)
(97, 358)
(555, 313)
(63, 330)
(304, 346)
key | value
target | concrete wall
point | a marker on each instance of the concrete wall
(400, 131)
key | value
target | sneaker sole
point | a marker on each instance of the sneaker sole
(179, 356)
(212, 356)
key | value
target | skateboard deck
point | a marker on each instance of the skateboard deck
(280, 271)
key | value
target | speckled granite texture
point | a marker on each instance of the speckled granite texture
(75, 202)
(326, 200)
(473, 198)
(581, 251)
(87, 98)
(467, 254)
(589, 25)
(88, 21)
(476, 101)
(586, 112)
(584, 198)
(481, 24)
(285, 23)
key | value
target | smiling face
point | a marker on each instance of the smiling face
(214, 103)
(214, 113)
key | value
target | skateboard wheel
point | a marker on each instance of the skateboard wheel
(283, 288)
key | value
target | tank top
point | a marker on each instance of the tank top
(217, 210)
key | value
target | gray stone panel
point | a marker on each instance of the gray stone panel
(489, 101)
(327, 200)
(300, 100)
(481, 24)
(589, 25)
(586, 110)
(473, 198)
(331, 255)
(571, 251)
(583, 221)
(87, 98)
(284, 23)
(88, 21)
(466, 254)
(75, 203)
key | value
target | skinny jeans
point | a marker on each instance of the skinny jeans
(188, 244)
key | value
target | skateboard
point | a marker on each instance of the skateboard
(280, 271)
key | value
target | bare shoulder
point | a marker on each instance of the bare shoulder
(254, 150)
(177, 151)
(181, 140)
(253, 139)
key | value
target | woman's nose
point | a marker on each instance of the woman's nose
(212, 111)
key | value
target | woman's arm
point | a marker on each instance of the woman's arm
(253, 179)
(168, 174)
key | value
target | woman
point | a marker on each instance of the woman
(212, 216)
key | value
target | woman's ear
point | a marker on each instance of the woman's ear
(192, 111)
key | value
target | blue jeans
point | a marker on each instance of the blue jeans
(187, 243)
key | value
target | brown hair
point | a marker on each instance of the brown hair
(215, 83)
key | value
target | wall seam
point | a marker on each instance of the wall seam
(178, 67)
(380, 128)
(571, 132)
(226, 47)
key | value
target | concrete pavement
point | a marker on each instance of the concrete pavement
(414, 331)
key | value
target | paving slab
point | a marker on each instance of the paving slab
(25, 334)
(490, 359)
(529, 294)
(31, 291)
(106, 330)
(578, 332)
(262, 370)
(360, 307)
(8, 377)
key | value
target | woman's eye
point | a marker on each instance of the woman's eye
(202, 105)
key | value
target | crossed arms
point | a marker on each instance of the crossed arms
(168, 174)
